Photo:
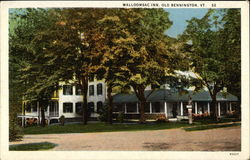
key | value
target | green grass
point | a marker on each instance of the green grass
(101, 127)
(32, 146)
(212, 126)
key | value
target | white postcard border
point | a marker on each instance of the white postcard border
(5, 154)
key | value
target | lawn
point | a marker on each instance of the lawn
(101, 127)
(32, 146)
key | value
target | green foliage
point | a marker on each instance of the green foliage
(30, 71)
(103, 113)
(135, 49)
(120, 117)
(32, 146)
(15, 131)
(62, 120)
(214, 52)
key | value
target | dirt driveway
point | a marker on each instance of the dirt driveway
(223, 139)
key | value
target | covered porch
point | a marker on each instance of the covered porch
(173, 105)
(31, 112)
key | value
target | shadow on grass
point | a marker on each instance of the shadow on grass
(32, 146)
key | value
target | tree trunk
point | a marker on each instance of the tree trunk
(84, 87)
(142, 111)
(43, 122)
(110, 107)
(142, 100)
(214, 108)
(43, 103)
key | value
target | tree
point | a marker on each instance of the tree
(72, 47)
(231, 39)
(209, 58)
(32, 69)
(135, 43)
(15, 89)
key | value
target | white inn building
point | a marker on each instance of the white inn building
(67, 101)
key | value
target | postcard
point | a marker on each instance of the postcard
(124, 80)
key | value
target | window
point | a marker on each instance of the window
(53, 109)
(78, 90)
(67, 107)
(99, 106)
(91, 107)
(91, 90)
(99, 89)
(79, 108)
(67, 90)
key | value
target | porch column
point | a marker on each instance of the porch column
(125, 107)
(150, 107)
(137, 108)
(219, 109)
(166, 109)
(181, 108)
(208, 107)
(230, 107)
(74, 108)
(195, 107)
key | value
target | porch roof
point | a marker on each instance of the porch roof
(170, 95)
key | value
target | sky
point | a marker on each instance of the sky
(179, 17)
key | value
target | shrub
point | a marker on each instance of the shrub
(120, 117)
(161, 118)
(31, 121)
(15, 131)
(201, 116)
(103, 113)
(233, 114)
(32, 146)
(62, 120)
